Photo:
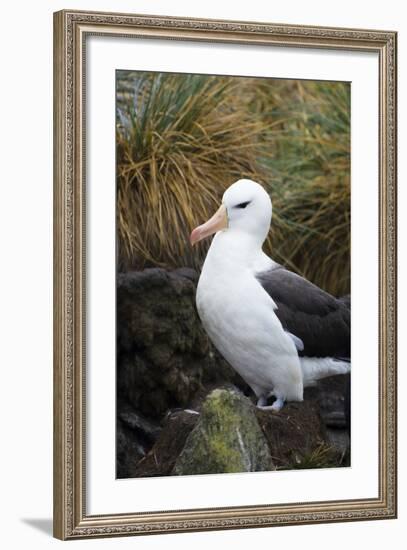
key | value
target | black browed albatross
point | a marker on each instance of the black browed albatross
(279, 331)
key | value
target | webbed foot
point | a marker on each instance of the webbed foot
(278, 404)
(275, 407)
(262, 402)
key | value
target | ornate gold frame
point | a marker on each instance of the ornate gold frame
(70, 518)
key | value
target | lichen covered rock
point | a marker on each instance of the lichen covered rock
(227, 438)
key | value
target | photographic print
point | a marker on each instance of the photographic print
(233, 349)
(205, 257)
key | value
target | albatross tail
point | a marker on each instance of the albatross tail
(315, 368)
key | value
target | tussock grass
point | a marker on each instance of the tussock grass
(323, 456)
(183, 139)
(309, 175)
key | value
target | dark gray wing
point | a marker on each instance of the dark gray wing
(320, 320)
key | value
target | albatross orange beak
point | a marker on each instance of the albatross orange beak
(218, 222)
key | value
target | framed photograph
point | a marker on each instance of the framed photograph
(225, 274)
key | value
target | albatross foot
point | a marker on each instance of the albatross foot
(275, 407)
(278, 404)
(262, 402)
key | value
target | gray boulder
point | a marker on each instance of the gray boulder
(227, 438)
(160, 460)
(129, 450)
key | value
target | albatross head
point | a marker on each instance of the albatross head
(246, 208)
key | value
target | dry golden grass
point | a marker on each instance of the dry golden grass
(309, 170)
(180, 144)
(183, 139)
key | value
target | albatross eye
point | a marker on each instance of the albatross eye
(242, 204)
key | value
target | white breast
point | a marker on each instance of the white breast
(239, 318)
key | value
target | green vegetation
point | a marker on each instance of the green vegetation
(183, 139)
(323, 456)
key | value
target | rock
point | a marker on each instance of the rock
(161, 458)
(333, 395)
(293, 434)
(129, 450)
(188, 273)
(339, 442)
(226, 438)
(144, 427)
(164, 356)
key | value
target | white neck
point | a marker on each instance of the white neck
(233, 249)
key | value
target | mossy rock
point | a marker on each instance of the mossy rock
(227, 438)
